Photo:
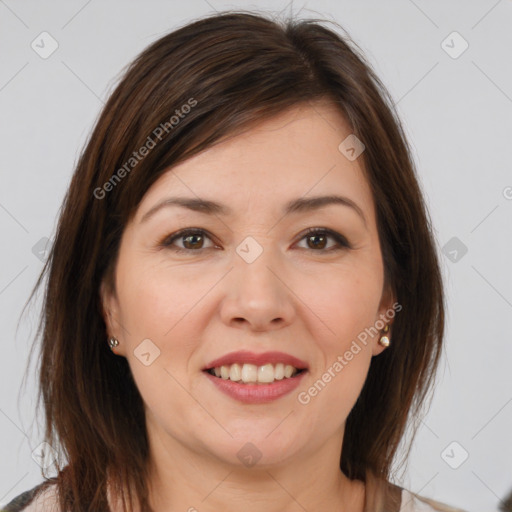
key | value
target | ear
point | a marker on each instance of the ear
(109, 309)
(386, 315)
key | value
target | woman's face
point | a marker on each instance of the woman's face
(249, 277)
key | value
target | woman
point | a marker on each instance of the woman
(244, 305)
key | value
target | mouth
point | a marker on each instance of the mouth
(256, 378)
(245, 373)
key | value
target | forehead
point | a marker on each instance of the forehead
(291, 155)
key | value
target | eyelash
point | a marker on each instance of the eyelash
(340, 239)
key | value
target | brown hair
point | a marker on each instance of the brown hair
(235, 68)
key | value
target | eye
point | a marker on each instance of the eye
(192, 238)
(316, 239)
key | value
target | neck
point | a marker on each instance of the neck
(185, 480)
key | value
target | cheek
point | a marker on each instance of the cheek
(164, 306)
(337, 381)
(160, 310)
(345, 303)
(155, 303)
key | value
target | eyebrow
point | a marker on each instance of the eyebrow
(302, 204)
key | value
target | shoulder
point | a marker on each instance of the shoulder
(41, 498)
(411, 502)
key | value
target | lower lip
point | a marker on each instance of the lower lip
(256, 393)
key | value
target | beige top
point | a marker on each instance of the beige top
(398, 500)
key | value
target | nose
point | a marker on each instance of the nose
(257, 297)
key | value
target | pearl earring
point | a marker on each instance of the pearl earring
(113, 342)
(384, 340)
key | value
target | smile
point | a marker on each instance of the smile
(246, 373)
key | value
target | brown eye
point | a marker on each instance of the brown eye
(317, 239)
(191, 240)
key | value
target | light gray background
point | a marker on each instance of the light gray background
(457, 113)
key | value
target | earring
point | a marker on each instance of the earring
(113, 342)
(384, 340)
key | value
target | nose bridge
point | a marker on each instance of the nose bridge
(255, 292)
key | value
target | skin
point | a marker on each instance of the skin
(198, 305)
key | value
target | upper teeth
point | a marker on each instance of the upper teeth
(247, 373)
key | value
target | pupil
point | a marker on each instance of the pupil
(321, 245)
(189, 237)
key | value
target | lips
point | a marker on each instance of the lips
(247, 357)
(256, 393)
(253, 378)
